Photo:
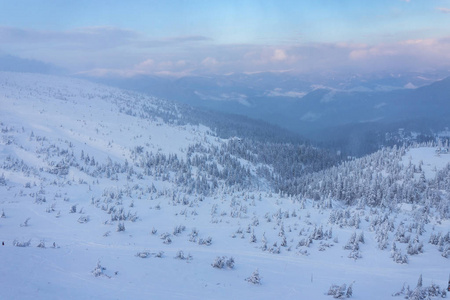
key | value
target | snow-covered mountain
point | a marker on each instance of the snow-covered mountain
(111, 194)
(351, 113)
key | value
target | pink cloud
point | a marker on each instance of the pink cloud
(210, 62)
(444, 10)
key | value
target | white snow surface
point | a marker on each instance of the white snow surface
(38, 111)
(426, 157)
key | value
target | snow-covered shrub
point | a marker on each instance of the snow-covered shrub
(275, 249)
(120, 215)
(318, 234)
(253, 237)
(397, 255)
(164, 235)
(255, 278)
(344, 218)
(2, 180)
(179, 229)
(351, 242)
(193, 235)
(144, 254)
(303, 252)
(40, 199)
(25, 223)
(180, 255)
(355, 254)
(99, 270)
(73, 209)
(222, 262)
(446, 252)
(442, 242)
(382, 238)
(414, 247)
(51, 208)
(230, 263)
(21, 244)
(219, 262)
(353, 245)
(421, 292)
(83, 219)
(304, 242)
(401, 236)
(120, 227)
(340, 292)
(207, 241)
(361, 238)
(323, 246)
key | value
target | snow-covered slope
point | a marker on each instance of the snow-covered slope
(93, 177)
(428, 159)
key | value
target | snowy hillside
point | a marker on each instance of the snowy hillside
(107, 194)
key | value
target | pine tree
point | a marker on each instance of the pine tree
(254, 278)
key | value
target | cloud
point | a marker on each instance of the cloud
(145, 65)
(310, 117)
(444, 10)
(110, 51)
(101, 50)
(151, 43)
(96, 38)
(418, 42)
(88, 37)
(210, 62)
(314, 58)
(278, 92)
(233, 97)
(414, 54)
(410, 85)
(279, 55)
(362, 54)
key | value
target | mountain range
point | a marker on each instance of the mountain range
(348, 113)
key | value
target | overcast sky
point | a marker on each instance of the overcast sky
(126, 38)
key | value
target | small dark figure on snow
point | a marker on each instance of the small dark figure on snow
(3, 244)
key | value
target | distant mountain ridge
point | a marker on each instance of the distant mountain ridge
(330, 110)
(10, 63)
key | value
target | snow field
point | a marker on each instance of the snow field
(69, 116)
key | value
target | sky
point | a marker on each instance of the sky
(176, 38)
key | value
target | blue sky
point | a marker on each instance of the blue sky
(126, 38)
